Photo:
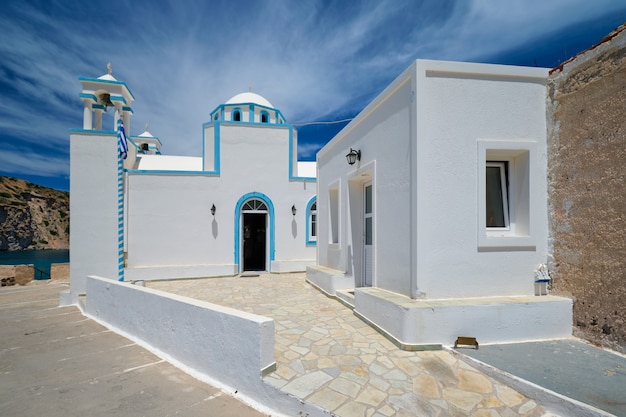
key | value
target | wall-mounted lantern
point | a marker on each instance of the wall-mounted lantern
(213, 209)
(293, 210)
(353, 156)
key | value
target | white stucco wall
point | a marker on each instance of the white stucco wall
(419, 141)
(94, 208)
(460, 105)
(169, 163)
(171, 232)
(307, 169)
(170, 222)
(382, 133)
(231, 346)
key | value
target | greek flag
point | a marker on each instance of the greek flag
(121, 136)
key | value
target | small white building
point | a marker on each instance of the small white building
(441, 223)
(246, 204)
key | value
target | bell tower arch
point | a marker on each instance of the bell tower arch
(100, 94)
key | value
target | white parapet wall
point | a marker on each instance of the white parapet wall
(329, 280)
(231, 346)
(299, 265)
(423, 322)
(154, 273)
(223, 346)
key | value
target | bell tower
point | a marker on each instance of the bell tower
(100, 94)
(97, 185)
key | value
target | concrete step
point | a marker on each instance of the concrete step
(346, 297)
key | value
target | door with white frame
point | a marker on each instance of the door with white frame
(254, 236)
(368, 235)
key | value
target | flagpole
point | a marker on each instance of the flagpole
(122, 154)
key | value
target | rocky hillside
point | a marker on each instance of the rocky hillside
(33, 216)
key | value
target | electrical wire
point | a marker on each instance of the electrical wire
(322, 123)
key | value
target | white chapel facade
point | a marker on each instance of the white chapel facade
(246, 204)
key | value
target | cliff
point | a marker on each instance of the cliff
(33, 216)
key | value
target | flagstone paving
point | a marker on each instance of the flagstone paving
(329, 357)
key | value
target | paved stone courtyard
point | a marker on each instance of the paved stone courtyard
(329, 357)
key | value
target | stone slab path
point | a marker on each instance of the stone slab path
(571, 368)
(327, 356)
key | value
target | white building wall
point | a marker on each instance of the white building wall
(462, 104)
(170, 222)
(94, 207)
(382, 132)
(208, 148)
(170, 227)
(437, 271)
(254, 152)
(419, 144)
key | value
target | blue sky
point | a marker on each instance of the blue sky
(313, 60)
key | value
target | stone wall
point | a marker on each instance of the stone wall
(60, 272)
(587, 188)
(23, 274)
(16, 274)
(7, 270)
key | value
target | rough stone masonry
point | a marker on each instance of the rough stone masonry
(587, 187)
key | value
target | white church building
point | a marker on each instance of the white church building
(433, 208)
(427, 212)
(246, 204)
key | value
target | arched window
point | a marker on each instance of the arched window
(265, 117)
(254, 205)
(311, 226)
(237, 115)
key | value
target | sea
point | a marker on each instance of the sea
(41, 259)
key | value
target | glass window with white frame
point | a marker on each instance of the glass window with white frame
(313, 222)
(504, 197)
(497, 208)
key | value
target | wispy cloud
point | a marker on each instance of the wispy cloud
(14, 159)
(313, 59)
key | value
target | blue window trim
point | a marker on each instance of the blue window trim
(135, 139)
(216, 147)
(168, 172)
(271, 221)
(310, 242)
(267, 116)
(217, 141)
(291, 159)
(93, 132)
(236, 111)
(280, 119)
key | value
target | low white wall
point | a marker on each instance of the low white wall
(225, 347)
(228, 345)
(179, 271)
(291, 266)
(329, 280)
(489, 319)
